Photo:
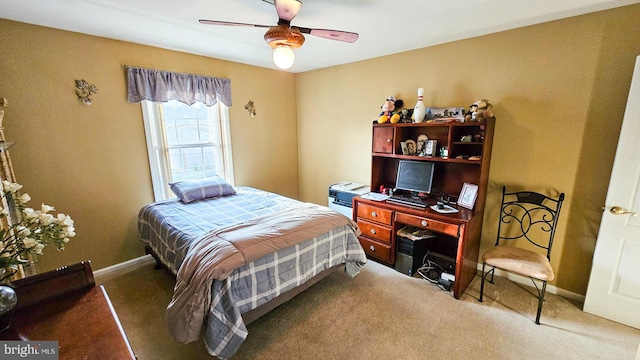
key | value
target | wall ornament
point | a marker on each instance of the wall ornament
(251, 108)
(84, 91)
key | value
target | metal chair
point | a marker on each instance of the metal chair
(525, 218)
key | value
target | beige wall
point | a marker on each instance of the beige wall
(559, 91)
(91, 161)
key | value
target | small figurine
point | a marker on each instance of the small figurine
(406, 115)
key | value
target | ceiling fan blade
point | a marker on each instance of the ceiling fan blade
(227, 23)
(339, 35)
(287, 9)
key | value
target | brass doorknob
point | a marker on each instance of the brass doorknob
(617, 210)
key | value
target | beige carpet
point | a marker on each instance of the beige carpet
(382, 314)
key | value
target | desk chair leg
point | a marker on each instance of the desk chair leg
(484, 275)
(481, 283)
(540, 301)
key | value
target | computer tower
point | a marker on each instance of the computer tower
(410, 254)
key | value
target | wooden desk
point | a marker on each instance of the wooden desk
(82, 321)
(457, 235)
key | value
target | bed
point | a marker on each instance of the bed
(222, 291)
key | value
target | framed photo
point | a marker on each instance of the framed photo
(403, 145)
(430, 147)
(443, 114)
(468, 195)
(411, 147)
(422, 139)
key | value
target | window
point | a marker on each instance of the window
(186, 142)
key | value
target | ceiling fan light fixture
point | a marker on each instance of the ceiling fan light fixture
(283, 35)
(283, 38)
(296, 39)
(283, 56)
(277, 35)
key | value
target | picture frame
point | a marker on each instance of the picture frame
(422, 139)
(468, 195)
(411, 147)
(430, 148)
(405, 151)
(444, 114)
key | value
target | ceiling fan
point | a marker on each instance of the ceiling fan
(283, 38)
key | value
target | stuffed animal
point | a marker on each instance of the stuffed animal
(479, 110)
(387, 110)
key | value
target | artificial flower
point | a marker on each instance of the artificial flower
(28, 231)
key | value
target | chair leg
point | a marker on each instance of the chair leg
(540, 301)
(482, 283)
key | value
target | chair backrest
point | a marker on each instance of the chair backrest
(62, 281)
(529, 215)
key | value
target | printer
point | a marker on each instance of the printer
(341, 194)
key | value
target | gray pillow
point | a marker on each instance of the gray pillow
(192, 190)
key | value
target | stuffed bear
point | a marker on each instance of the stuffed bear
(479, 110)
(387, 110)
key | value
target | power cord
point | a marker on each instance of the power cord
(431, 272)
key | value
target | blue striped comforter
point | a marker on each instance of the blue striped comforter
(170, 227)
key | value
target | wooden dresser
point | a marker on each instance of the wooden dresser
(64, 305)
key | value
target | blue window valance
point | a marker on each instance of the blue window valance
(162, 86)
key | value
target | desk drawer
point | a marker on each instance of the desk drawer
(375, 231)
(425, 223)
(375, 213)
(376, 249)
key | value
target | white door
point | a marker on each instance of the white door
(614, 285)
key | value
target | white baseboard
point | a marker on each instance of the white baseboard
(124, 266)
(526, 281)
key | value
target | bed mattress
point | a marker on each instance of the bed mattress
(170, 227)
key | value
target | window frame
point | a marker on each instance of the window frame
(158, 148)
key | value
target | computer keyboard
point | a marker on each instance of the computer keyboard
(408, 200)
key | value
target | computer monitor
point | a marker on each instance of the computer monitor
(414, 176)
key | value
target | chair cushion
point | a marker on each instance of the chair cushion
(520, 261)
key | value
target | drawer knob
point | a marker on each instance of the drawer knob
(372, 248)
(374, 214)
(373, 231)
(424, 223)
(388, 140)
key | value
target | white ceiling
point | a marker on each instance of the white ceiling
(385, 26)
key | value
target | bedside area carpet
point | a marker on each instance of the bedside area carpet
(382, 313)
